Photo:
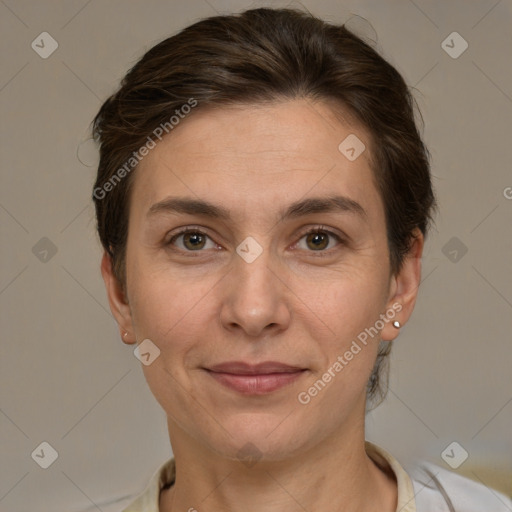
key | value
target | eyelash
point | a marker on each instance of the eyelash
(316, 229)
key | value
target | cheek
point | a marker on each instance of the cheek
(174, 314)
(347, 300)
(350, 308)
(349, 303)
(163, 301)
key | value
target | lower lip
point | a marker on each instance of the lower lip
(256, 384)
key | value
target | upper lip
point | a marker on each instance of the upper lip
(242, 368)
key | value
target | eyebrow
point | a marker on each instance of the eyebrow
(185, 205)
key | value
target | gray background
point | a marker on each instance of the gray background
(66, 377)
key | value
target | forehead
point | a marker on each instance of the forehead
(264, 154)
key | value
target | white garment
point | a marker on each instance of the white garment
(425, 488)
(437, 489)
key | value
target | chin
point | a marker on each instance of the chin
(260, 437)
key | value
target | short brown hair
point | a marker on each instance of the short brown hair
(265, 55)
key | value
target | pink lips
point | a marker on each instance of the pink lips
(255, 379)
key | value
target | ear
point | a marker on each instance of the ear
(404, 288)
(117, 300)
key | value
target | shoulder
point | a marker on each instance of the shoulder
(438, 489)
(426, 487)
(149, 499)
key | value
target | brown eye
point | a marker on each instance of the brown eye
(319, 239)
(191, 240)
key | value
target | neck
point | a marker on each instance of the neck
(336, 474)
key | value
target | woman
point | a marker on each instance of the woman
(263, 196)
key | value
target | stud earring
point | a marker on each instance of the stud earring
(125, 334)
(396, 324)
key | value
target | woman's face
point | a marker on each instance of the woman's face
(249, 285)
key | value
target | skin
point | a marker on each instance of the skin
(208, 306)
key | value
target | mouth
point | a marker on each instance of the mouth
(256, 379)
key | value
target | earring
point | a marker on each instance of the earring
(125, 334)
(396, 324)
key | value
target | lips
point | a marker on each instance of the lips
(255, 379)
(241, 368)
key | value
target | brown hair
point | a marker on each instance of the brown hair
(265, 55)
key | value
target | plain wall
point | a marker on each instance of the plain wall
(66, 377)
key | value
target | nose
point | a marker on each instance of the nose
(256, 300)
